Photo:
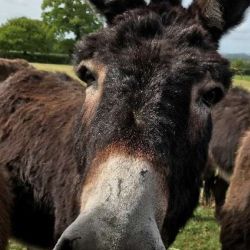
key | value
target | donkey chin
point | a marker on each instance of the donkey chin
(113, 215)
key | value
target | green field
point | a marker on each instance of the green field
(202, 231)
(243, 81)
(55, 68)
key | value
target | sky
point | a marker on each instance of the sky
(237, 41)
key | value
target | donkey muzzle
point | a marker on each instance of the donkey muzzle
(100, 232)
(123, 207)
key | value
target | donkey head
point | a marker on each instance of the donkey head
(153, 76)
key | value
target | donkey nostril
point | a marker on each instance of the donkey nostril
(66, 244)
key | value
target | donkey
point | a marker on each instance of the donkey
(7, 68)
(38, 113)
(231, 120)
(140, 131)
(235, 215)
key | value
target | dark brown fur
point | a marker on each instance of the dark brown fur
(38, 111)
(235, 219)
(8, 67)
(231, 119)
(4, 211)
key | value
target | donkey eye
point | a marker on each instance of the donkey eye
(86, 75)
(212, 96)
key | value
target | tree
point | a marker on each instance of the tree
(70, 16)
(64, 46)
(26, 35)
(238, 66)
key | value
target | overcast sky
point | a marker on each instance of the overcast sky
(237, 41)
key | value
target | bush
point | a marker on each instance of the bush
(25, 34)
(64, 46)
(37, 57)
(240, 67)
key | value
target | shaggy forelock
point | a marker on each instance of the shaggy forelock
(156, 24)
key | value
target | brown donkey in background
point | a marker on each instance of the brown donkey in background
(231, 120)
(119, 165)
(230, 149)
(7, 68)
(235, 214)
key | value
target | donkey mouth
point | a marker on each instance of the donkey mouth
(95, 232)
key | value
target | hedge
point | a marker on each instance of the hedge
(37, 57)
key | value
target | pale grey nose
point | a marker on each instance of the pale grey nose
(100, 232)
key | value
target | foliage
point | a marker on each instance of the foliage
(64, 46)
(28, 38)
(26, 35)
(241, 67)
(37, 57)
(70, 16)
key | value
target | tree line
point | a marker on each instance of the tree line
(63, 23)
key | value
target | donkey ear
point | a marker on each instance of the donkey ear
(111, 8)
(219, 16)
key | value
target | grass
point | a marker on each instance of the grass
(243, 81)
(202, 231)
(56, 68)
(16, 246)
